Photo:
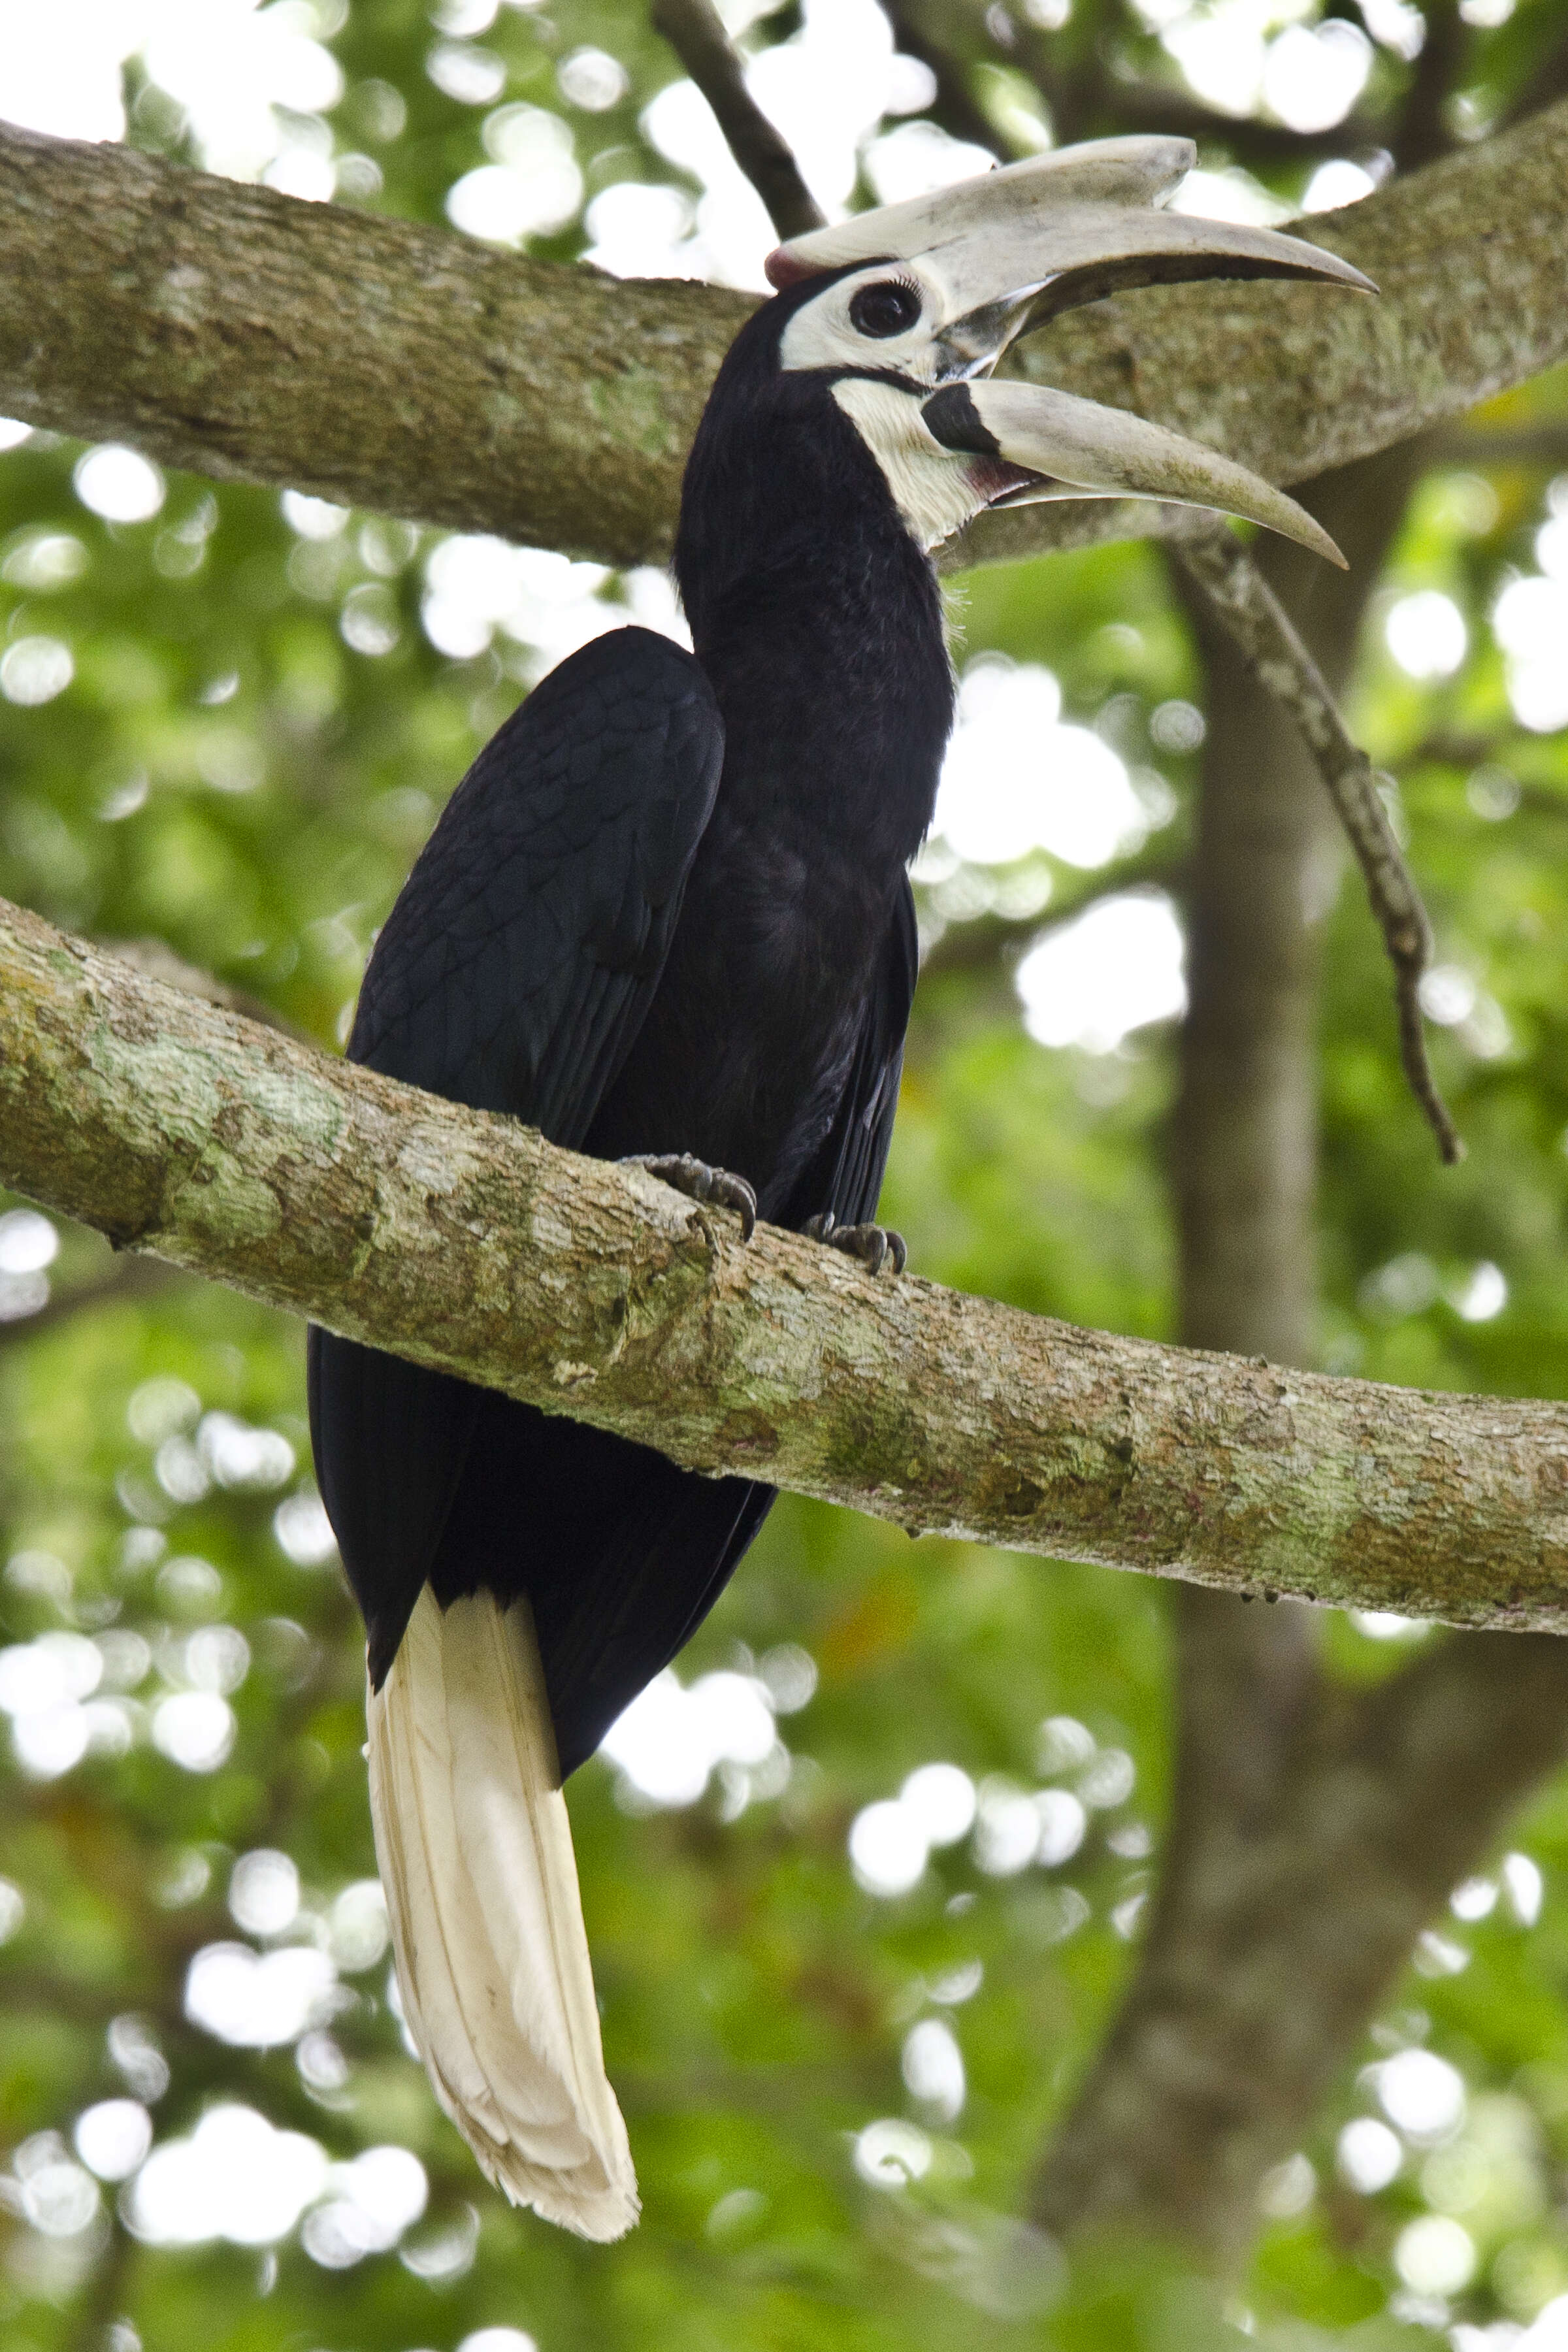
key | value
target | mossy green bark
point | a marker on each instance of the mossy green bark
(246, 335)
(467, 1243)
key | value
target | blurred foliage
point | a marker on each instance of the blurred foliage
(255, 737)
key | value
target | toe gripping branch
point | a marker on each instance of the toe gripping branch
(874, 1245)
(684, 1172)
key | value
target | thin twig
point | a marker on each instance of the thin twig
(1262, 630)
(695, 31)
(130, 1280)
(954, 108)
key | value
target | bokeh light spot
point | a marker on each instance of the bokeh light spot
(1426, 635)
(118, 484)
(1368, 2156)
(113, 2138)
(1421, 2093)
(34, 669)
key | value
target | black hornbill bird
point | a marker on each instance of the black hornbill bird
(666, 916)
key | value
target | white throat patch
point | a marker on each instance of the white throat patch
(930, 486)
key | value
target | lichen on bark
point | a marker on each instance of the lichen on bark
(466, 1241)
(460, 385)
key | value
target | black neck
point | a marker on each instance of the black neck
(816, 618)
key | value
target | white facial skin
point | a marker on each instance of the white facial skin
(934, 489)
(825, 334)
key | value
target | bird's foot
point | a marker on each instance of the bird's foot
(693, 1177)
(874, 1245)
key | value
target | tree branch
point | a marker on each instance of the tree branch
(955, 109)
(465, 1242)
(1312, 1834)
(1422, 133)
(1222, 570)
(252, 337)
(1286, 1915)
(128, 1281)
(695, 31)
(243, 335)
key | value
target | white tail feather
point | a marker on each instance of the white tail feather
(475, 1851)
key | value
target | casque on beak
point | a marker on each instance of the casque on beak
(1002, 254)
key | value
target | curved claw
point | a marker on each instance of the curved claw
(874, 1245)
(684, 1172)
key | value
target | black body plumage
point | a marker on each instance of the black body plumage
(666, 911)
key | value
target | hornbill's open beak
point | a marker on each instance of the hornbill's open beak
(997, 256)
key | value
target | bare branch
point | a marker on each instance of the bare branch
(1423, 133)
(955, 109)
(1220, 565)
(127, 1281)
(695, 31)
(1206, 2080)
(466, 1243)
(1288, 1915)
(244, 334)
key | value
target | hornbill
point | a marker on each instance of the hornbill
(666, 916)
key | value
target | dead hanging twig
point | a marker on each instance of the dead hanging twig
(695, 31)
(1252, 615)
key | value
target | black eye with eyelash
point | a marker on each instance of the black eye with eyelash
(886, 308)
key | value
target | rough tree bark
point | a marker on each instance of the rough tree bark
(460, 385)
(1312, 1834)
(466, 1241)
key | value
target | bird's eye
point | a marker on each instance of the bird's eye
(884, 309)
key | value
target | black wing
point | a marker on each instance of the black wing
(845, 1175)
(512, 975)
(517, 966)
(626, 1554)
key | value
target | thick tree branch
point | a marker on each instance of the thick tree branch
(1292, 1907)
(252, 337)
(246, 335)
(466, 1241)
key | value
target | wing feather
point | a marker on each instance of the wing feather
(513, 974)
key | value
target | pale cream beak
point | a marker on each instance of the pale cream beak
(1074, 448)
(1052, 232)
(1000, 253)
